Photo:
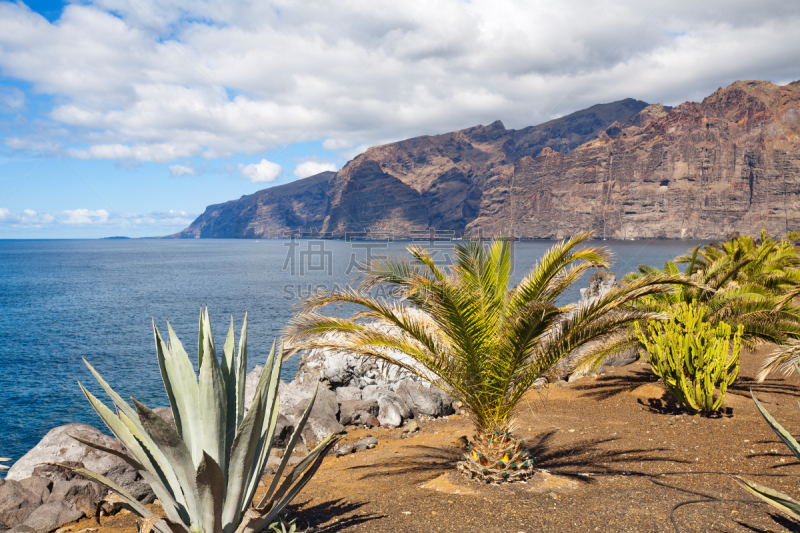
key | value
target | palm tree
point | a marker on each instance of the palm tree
(471, 334)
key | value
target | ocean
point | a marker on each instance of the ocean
(63, 300)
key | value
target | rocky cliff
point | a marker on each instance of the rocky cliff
(625, 170)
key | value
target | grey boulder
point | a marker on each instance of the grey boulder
(424, 398)
(366, 444)
(357, 412)
(348, 393)
(129, 479)
(38, 486)
(322, 420)
(392, 410)
(51, 516)
(16, 504)
(58, 446)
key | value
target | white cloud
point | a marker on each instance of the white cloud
(262, 172)
(186, 169)
(241, 77)
(12, 100)
(311, 168)
(7, 216)
(100, 217)
(85, 216)
(336, 144)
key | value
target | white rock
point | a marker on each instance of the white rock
(57, 446)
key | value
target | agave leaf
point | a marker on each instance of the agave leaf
(163, 525)
(161, 349)
(171, 507)
(171, 445)
(267, 430)
(213, 404)
(210, 487)
(121, 404)
(773, 497)
(314, 456)
(229, 378)
(124, 433)
(242, 457)
(244, 453)
(778, 429)
(265, 444)
(208, 337)
(200, 341)
(319, 455)
(241, 372)
(298, 429)
(183, 382)
(134, 425)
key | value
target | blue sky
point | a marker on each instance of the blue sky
(129, 118)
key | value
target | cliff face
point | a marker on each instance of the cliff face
(626, 170)
(701, 170)
(296, 206)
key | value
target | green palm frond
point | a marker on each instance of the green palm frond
(468, 331)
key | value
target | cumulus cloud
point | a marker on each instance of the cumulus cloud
(311, 168)
(85, 216)
(262, 172)
(185, 169)
(164, 81)
(12, 100)
(88, 217)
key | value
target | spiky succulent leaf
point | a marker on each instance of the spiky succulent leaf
(163, 525)
(211, 490)
(773, 497)
(213, 407)
(784, 435)
(199, 493)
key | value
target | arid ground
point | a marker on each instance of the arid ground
(612, 456)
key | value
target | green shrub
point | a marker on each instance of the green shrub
(691, 356)
(771, 496)
(206, 473)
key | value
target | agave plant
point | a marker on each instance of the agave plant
(692, 357)
(206, 473)
(777, 499)
(471, 334)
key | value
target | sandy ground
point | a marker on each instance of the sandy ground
(612, 456)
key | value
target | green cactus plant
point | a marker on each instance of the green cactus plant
(206, 473)
(692, 357)
(776, 499)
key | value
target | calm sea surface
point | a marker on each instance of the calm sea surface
(61, 301)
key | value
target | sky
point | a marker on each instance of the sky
(129, 117)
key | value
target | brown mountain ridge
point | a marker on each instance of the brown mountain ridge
(625, 169)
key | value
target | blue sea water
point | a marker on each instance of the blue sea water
(64, 300)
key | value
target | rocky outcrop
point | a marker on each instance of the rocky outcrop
(626, 170)
(58, 446)
(297, 206)
(443, 181)
(730, 163)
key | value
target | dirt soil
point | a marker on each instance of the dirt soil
(611, 454)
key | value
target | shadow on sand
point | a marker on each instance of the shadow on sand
(574, 459)
(323, 513)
